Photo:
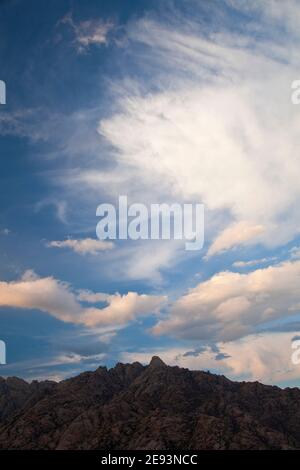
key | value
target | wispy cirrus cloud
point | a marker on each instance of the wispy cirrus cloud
(188, 145)
(178, 107)
(83, 246)
(253, 262)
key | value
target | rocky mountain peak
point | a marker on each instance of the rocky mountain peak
(156, 362)
(155, 407)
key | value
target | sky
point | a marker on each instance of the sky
(169, 101)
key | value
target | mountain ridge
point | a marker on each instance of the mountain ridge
(153, 407)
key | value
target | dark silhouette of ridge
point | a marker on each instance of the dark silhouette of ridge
(147, 407)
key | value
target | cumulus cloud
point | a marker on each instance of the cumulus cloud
(83, 246)
(265, 357)
(88, 32)
(231, 305)
(57, 299)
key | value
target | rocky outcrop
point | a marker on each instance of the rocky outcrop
(148, 407)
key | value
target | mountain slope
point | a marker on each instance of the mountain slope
(152, 407)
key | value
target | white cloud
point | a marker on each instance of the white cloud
(56, 298)
(253, 262)
(231, 305)
(88, 32)
(83, 246)
(124, 308)
(234, 235)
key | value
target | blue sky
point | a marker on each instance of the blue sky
(160, 101)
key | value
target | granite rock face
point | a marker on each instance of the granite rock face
(147, 407)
